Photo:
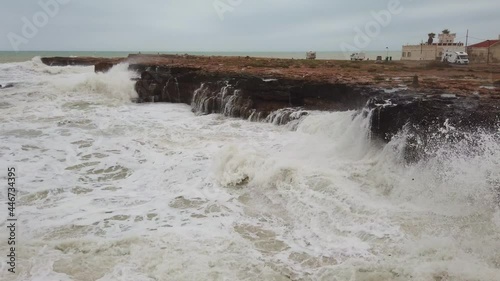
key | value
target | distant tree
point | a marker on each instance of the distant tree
(431, 38)
(446, 31)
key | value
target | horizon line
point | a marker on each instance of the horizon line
(184, 51)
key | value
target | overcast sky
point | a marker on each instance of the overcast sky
(251, 25)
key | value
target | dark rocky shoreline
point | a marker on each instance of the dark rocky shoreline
(250, 95)
(257, 97)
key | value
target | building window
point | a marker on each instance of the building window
(409, 54)
(404, 54)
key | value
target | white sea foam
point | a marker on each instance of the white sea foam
(111, 190)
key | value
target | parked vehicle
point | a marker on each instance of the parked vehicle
(311, 55)
(358, 56)
(455, 57)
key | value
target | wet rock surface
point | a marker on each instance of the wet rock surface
(428, 121)
(395, 110)
(7, 85)
(103, 67)
(79, 61)
(246, 96)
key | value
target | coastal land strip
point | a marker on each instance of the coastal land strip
(420, 97)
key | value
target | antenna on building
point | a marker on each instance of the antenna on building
(467, 40)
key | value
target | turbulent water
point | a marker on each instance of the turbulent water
(111, 190)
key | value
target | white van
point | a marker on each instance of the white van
(311, 55)
(358, 56)
(455, 57)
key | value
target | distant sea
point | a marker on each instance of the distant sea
(7, 56)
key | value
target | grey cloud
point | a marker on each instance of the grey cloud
(255, 25)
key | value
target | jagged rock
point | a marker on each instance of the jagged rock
(78, 61)
(394, 111)
(415, 81)
(428, 119)
(5, 86)
(103, 67)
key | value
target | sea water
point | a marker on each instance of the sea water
(9, 56)
(112, 190)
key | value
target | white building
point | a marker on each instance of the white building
(432, 51)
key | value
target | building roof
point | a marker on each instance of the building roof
(485, 44)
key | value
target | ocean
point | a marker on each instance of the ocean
(6, 57)
(112, 190)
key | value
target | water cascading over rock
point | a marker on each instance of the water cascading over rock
(281, 101)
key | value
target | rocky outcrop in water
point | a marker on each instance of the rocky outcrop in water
(429, 112)
(5, 86)
(103, 67)
(79, 61)
(429, 121)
